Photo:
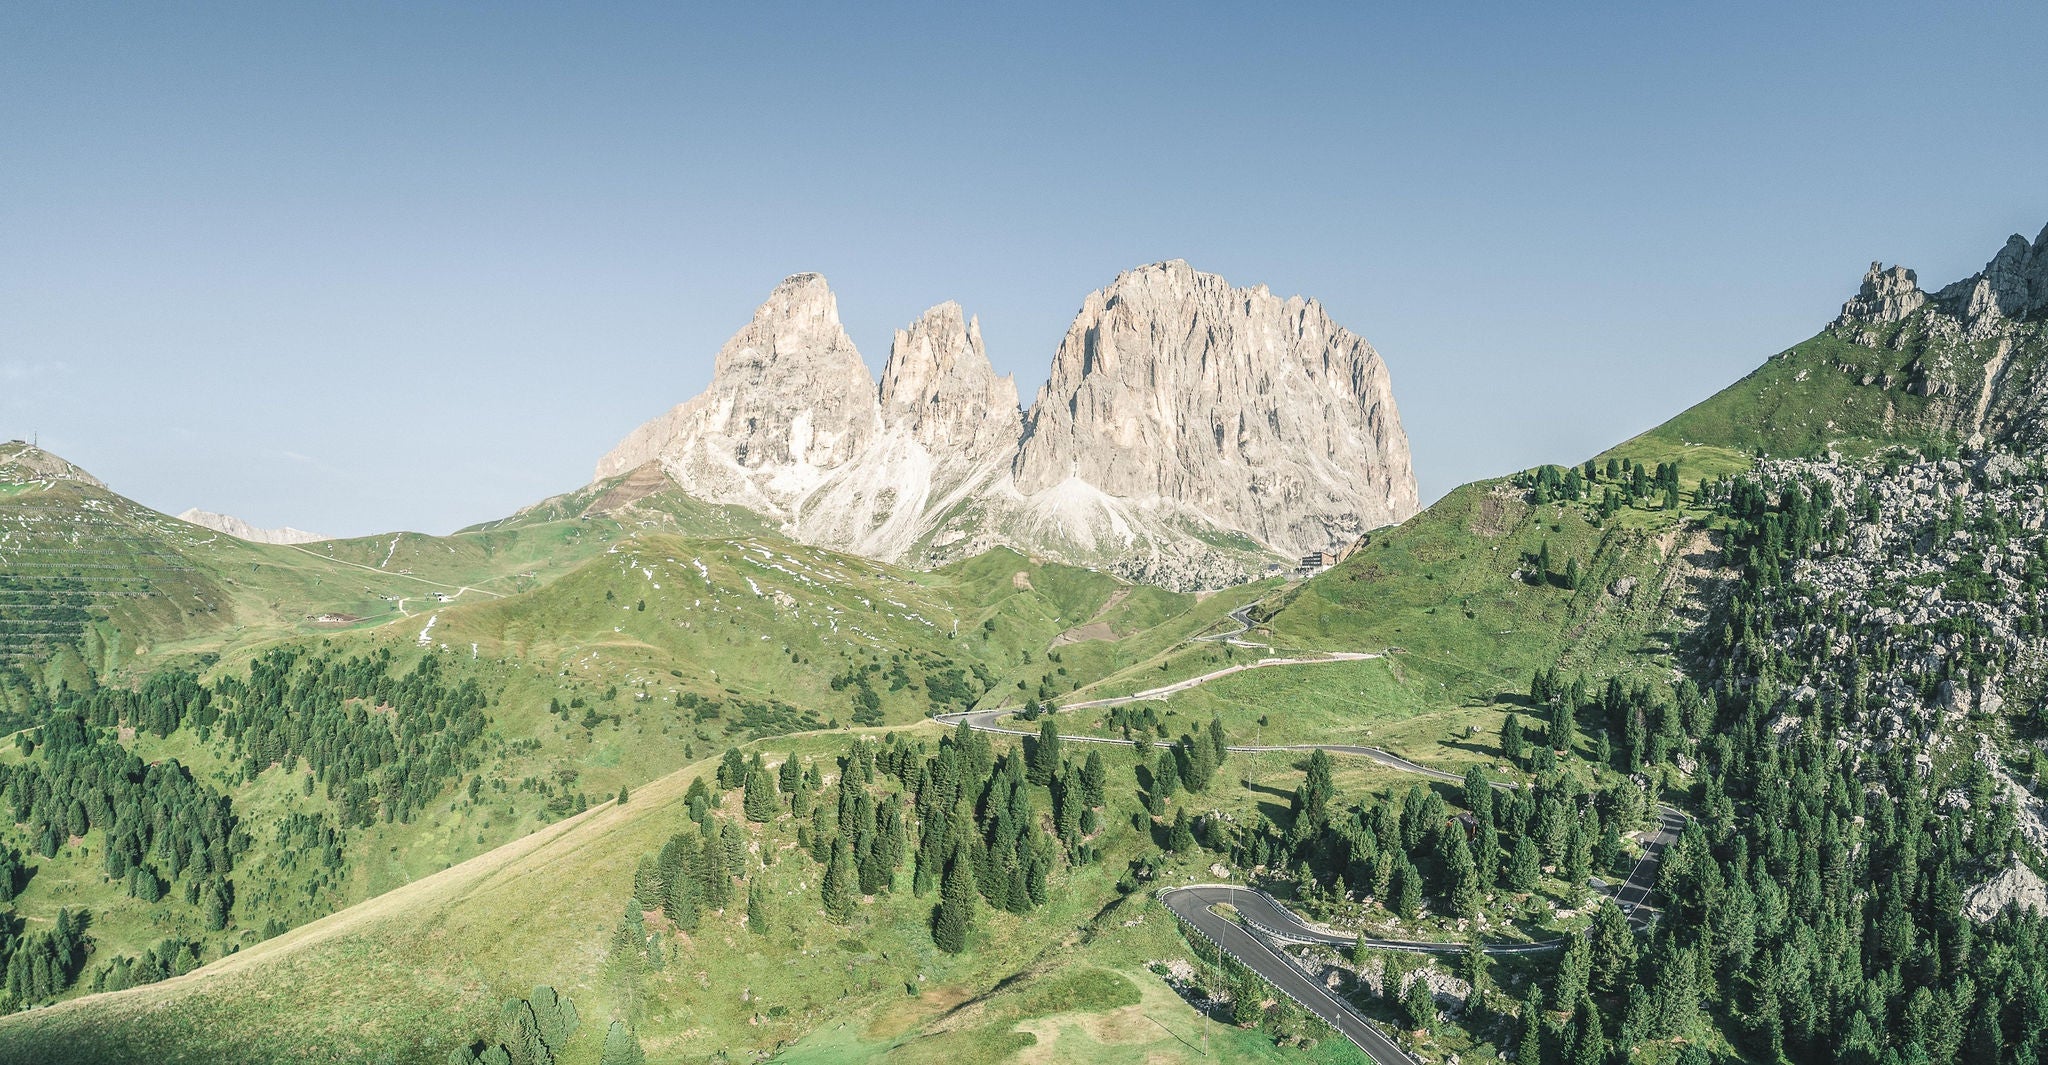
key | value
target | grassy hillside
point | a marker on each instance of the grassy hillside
(414, 972)
(1896, 385)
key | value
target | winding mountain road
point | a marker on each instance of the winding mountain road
(1263, 925)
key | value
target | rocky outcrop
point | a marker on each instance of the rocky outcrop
(939, 386)
(1191, 434)
(2013, 286)
(1886, 296)
(2017, 887)
(242, 530)
(790, 401)
(1175, 394)
(1976, 351)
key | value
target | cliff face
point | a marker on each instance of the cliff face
(790, 401)
(1190, 433)
(1977, 349)
(242, 530)
(1258, 414)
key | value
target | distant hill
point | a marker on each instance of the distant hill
(242, 530)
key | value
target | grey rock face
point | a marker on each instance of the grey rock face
(1886, 296)
(790, 401)
(1191, 434)
(242, 530)
(938, 384)
(1174, 390)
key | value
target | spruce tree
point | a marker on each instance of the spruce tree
(1094, 780)
(621, 1046)
(839, 883)
(757, 909)
(1182, 839)
(1525, 866)
(1044, 759)
(759, 800)
(1511, 745)
(955, 912)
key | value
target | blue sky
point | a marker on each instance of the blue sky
(372, 266)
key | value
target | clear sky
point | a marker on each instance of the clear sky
(357, 267)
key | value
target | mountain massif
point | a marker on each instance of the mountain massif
(1723, 746)
(1189, 434)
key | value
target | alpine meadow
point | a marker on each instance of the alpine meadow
(1137, 706)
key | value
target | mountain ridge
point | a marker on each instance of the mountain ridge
(1191, 433)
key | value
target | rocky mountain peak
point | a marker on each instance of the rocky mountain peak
(1178, 407)
(1258, 412)
(242, 530)
(1886, 296)
(2011, 287)
(939, 384)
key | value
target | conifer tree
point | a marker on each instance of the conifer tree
(759, 799)
(1407, 891)
(1094, 780)
(839, 883)
(1529, 1047)
(621, 1046)
(955, 912)
(1525, 866)
(1418, 1005)
(1044, 758)
(757, 909)
(1182, 839)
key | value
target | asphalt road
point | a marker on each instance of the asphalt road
(1190, 905)
(1265, 921)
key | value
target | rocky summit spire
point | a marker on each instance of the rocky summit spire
(790, 400)
(1258, 413)
(939, 385)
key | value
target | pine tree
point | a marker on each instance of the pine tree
(1529, 1047)
(1219, 748)
(1094, 780)
(1511, 744)
(839, 883)
(1590, 1048)
(1407, 891)
(757, 909)
(1182, 839)
(955, 912)
(623, 795)
(1571, 573)
(1525, 866)
(759, 799)
(732, 769)
(1044, 757)
(1418, 1004)
(1543, 562)
(1312, 798)
(621, 1046)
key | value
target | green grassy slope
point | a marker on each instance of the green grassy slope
(1906, 388)
(408, 975)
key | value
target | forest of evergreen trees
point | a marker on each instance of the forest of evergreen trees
(383, 743)
(962, 817)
